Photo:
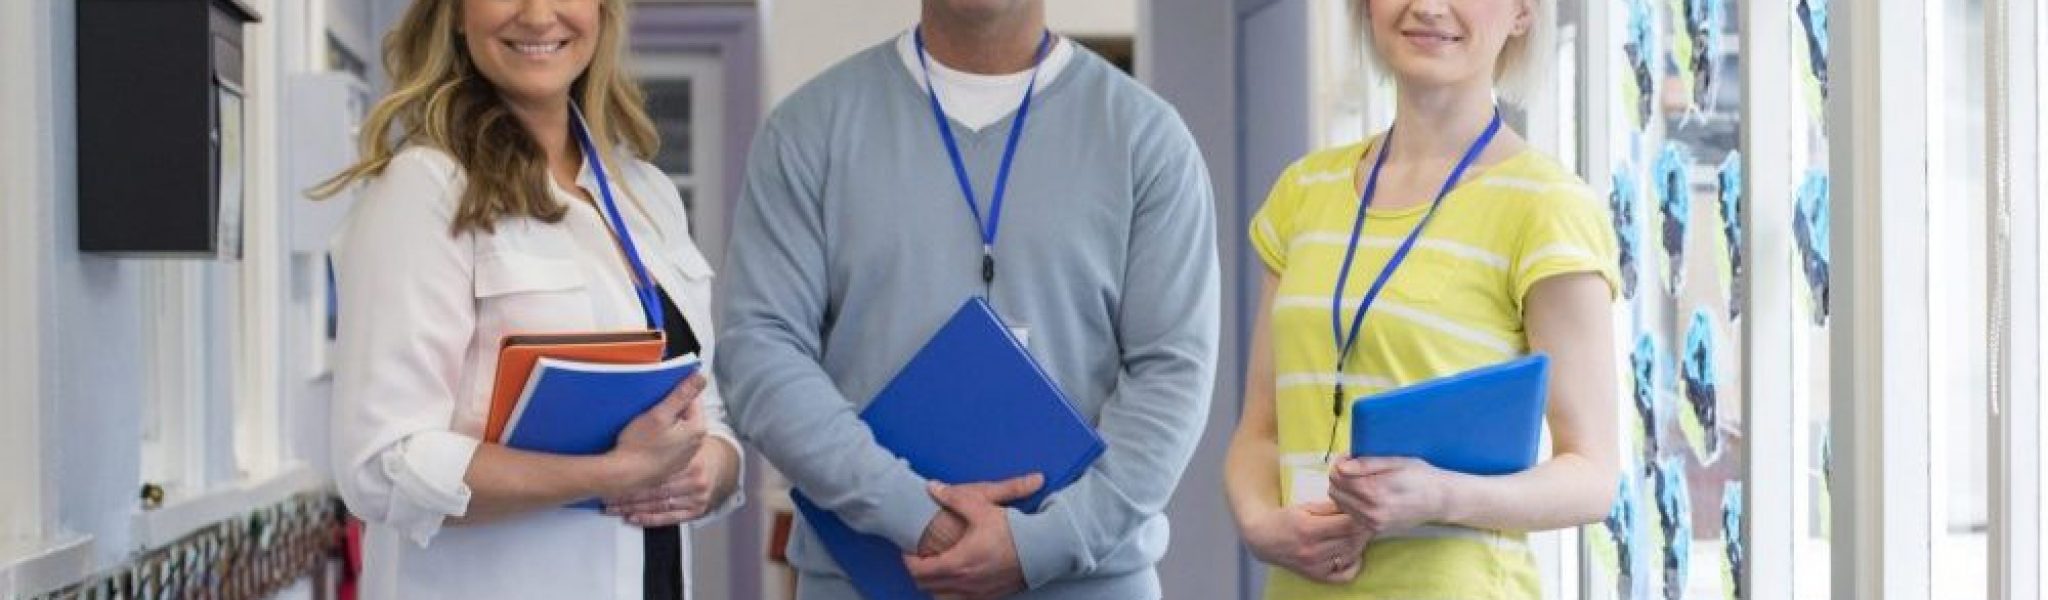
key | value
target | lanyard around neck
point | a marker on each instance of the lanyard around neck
(1345, 340)
(988, 228)
(643, 286)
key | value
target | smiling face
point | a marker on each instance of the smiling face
(531, 50)
(1434, 43)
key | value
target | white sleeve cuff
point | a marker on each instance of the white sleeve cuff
(739, 488)
(426, 472)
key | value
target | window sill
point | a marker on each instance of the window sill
(174, 521)
(27, 569)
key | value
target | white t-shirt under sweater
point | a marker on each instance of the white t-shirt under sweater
(976, 100)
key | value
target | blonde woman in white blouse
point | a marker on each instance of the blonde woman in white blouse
(483, 216)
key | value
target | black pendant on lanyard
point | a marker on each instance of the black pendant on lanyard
(1345, 340)
(995, 203)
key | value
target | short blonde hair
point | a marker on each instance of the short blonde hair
(1518, 74)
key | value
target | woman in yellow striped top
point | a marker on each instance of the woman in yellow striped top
(1511, 254)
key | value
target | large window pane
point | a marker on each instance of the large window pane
(1677, 202)
(1957, 309)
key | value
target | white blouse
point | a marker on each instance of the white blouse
(421, 313)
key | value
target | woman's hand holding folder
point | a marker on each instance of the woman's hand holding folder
(685, 496)
(1315, 539)
(506, 481)
(1390, 493)
(660, 442)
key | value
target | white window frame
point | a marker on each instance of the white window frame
(36, 554)
(2040, 286)
(1957, 303)
(2013, 55)
(1884, 523)
(23, 522)
(706, 74)
(1775, 520)
(1596, 138)
(256, 304)
(175, 407)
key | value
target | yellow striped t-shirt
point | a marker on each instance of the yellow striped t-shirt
(1455, 304)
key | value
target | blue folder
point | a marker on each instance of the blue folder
(970, 406)
(1487, 421)
(579, 408)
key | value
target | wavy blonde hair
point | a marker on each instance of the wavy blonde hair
(439, 99)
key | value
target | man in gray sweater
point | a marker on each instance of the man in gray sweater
(1071, 197)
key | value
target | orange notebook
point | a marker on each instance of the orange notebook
(518, 353)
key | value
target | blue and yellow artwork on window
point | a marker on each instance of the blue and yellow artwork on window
(1674, 519)
(1678, 199)
(1813, 24)
(1620, 539)
(1639, 90)
(1730, 179)
(1672, 183)
(1810, 230)
(1700, 421)
(1621, 204)
(1643, 363)
(1732, 545)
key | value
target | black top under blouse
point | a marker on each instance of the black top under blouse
(662, 575)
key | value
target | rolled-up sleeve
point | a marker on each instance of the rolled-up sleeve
(406, 312)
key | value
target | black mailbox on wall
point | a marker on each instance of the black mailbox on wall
(161, 140)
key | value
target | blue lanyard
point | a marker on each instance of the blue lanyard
(643, 286)
(1346, 340)
(995, 202)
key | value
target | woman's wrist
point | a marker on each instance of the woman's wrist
(725, 480)
(1251, 523)
(1454, 493)
(619, 472)
(1258, 530)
